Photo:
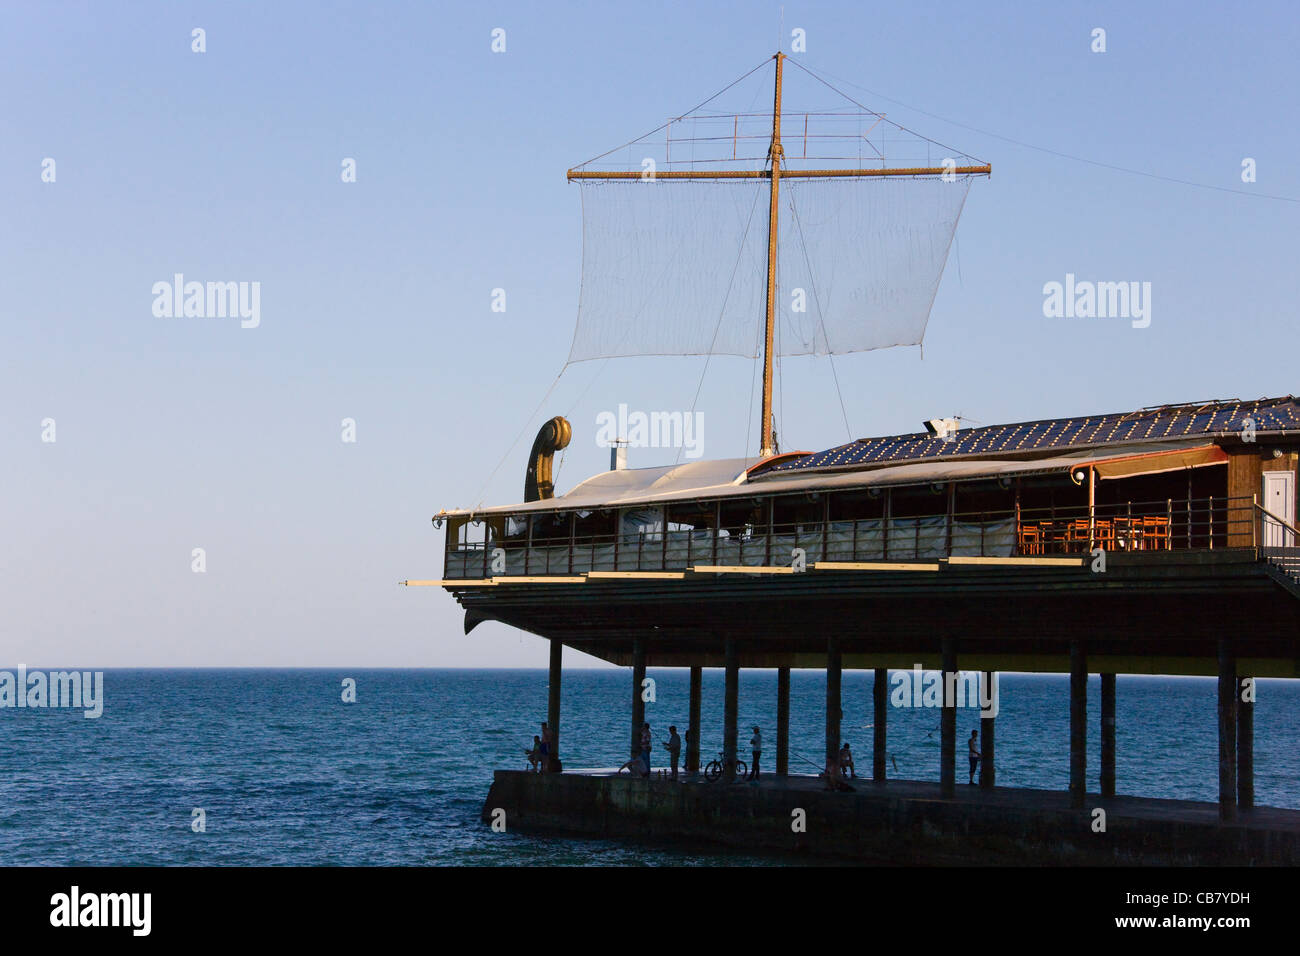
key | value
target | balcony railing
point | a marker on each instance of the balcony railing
(1188, 524)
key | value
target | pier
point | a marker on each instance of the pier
(898, 822)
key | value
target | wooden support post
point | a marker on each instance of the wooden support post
(948, 719)
(880, 702)
(782, 721)
(730, 709)
(693, 742)
(1245, 744)
(638, 704)
(834, 664)
(1108, 735)
(988, 745)
(1227, 730)
(1078, 724)
(553, 706)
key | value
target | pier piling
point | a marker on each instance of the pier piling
(1078, 724)
(948, 720)
(834, 661)
(1245, 747)
(988, 766)
(693, 727)
(730, 708)
(553, 764)
(879, 741)
(782, 721)
(638, 702)
(1227, 731)
(1108, 735)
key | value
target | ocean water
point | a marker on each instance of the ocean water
(287, 773)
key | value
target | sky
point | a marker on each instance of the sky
(178, 433)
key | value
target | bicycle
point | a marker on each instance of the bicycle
(713, 770)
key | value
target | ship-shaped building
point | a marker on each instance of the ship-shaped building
(1160, 540)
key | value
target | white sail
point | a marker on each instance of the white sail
(678, 267)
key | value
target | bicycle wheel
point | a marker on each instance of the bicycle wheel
(742, 770)
(713, 771)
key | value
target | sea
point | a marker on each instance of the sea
(276, 767)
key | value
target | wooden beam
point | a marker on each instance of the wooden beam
(1027, 562)
(875, 566)
(636, 575)
(574, 175)
(451, 583)
(740, 569)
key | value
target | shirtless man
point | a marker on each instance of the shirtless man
(975, 755)
(846, 762)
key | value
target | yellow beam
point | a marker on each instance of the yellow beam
(531, 579)
(451, 582)
(875, 566)
(1020, 562)
(636, 575)
(740, 569)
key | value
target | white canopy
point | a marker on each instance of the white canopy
(638, 487)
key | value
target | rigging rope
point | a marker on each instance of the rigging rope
(1041, 149)
(794, 211)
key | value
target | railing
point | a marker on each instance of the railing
(1169, 524)
(1278, 539)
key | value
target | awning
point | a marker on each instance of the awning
(1154, 463)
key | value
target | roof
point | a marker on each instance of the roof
(646, 487)
(1203, 420)
(1176, 433)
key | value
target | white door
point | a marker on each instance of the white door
(1279, 500)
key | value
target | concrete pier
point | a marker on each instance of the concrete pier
(900, 822)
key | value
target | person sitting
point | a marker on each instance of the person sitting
(832, 776)
(535, 755)
(846, 762)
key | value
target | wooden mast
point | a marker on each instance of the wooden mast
(774, 155)
(774, 174)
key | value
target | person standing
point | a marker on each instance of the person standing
(646, 742)
(674, 747)
(975, 755)
(756, 748)
(546, 747)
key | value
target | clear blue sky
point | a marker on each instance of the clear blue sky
(180, 433)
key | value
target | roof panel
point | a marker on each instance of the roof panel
(1206, 419)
